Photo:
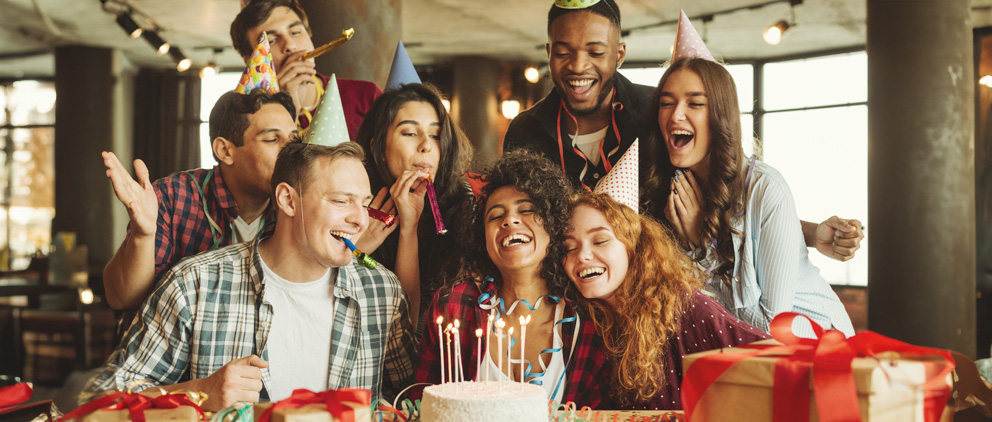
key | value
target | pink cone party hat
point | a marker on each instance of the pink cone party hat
(259, 72)
(328, 126)
(622, 180)
(688, 43)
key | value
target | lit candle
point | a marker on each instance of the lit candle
(488, 329)
(459, 377)
(509, 353)
(523, 343)
(440, 341)
(499, 351)
(447, 338)
(478, 353)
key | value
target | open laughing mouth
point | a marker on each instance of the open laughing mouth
(681, 137)
(591, 273)
(580, 86)
(515, 240)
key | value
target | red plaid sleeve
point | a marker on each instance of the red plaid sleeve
(588, 370)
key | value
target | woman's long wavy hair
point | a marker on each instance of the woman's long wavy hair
(723, 193)
(538, 178)
(646, 306)
(449, 183)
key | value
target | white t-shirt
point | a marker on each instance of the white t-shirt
(555, 369)
(589, 144)
(244, 232)
(299, 344)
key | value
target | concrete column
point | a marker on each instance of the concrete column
(475, 105)
(369, 54)
(88, 121)
(983, 191)
(921, 180)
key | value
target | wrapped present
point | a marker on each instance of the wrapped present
(153, 406)
(867, 377)
(345, 405)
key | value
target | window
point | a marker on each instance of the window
(814, 130)
(27, 179)
(211, 88)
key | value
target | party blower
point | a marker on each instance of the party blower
(362, 258)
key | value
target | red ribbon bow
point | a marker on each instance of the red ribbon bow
(333, 399)
(833, 379)
(135, 403)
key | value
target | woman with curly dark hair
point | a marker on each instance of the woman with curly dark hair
(409, 137)
(642, 294)
(512, 252)
(736, 217)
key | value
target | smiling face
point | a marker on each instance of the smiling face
(596, 260)
(413, 141)
(584, 51)
(683, 117)
(334, 205)
(515, 236)
(286, 34)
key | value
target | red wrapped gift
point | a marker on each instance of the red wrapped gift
(346, 405)
(135, 407)
(831, 378)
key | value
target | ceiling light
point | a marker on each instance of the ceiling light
(510, 108)
(129, 25)
(532, 74)
(157, 42)
(209, 70)
(986, 80)
(773, 34)
(182, 62)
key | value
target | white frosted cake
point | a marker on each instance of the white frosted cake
(484, 402)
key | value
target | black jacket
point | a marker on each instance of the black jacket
(535, 129)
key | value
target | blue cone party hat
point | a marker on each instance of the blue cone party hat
(402, 71)
(328, 126)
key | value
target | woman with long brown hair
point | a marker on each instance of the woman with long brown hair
(642, 294)
(735, 217)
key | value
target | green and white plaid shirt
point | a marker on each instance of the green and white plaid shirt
(211, 309)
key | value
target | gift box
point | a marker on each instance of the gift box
(345, 405)
(868, 377)
(153, 406)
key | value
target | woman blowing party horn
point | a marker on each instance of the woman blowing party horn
(410, 138)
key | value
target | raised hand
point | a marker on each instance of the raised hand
(295, 75)
(687, 202)
(839, 238)
(138, 196)
(408, 194)
(377, 232)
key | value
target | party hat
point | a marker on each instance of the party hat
(688, 43)
(328, 126)
(259, 72)
(575, 4)
(402, 71)
(622, 180)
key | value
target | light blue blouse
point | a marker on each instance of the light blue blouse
(772, 271)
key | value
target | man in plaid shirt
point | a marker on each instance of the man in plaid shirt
(197, 210)
(290, 310)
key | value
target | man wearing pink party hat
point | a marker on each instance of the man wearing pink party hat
(593, 114)
(288, 29)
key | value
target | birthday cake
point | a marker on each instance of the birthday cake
(483, 402)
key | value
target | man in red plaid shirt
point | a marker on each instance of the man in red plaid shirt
(198, 210)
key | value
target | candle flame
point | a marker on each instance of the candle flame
(478, 332)
(523, 321)
(457, 324)
(491, 318)
(454, 331)
(528, 319)
(440, 319)
(510, 332)
(448, 327)
(500, 323)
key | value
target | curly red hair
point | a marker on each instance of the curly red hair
(648, 303)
